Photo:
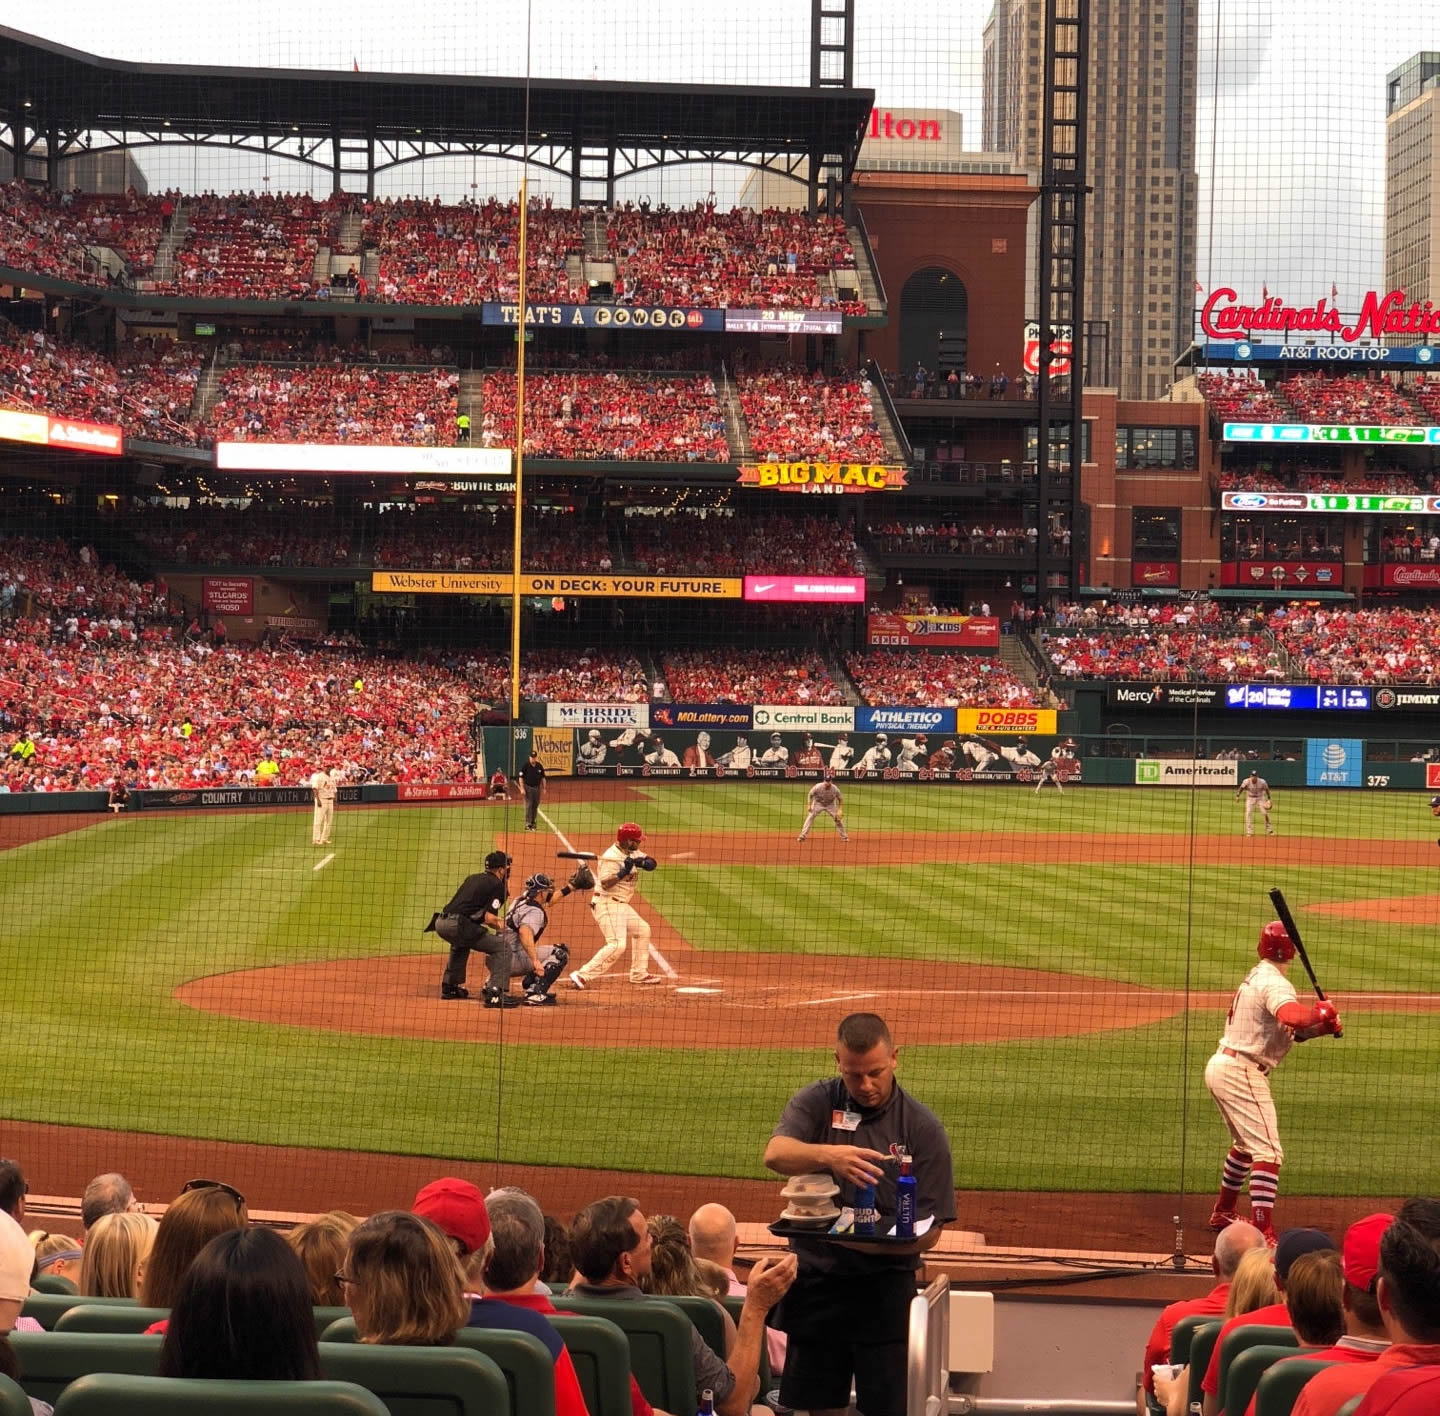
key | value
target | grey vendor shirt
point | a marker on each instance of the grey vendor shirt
(816, 1115)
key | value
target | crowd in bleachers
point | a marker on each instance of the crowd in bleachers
(930, 678)
(1347, 398)
(1241, 397)
(335, 403)
(1393, 481)
(915, 537)
(794, 415)
(603, 416)
(1173, 642)
(743, 258)
(721, 544)
(1360, 646)
(932, 383)
(256, 535)
(1269, 539)
(749, 676)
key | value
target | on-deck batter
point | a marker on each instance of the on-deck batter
(1256, 791)
(1265, 1018)
(615, 882)
(824, 799)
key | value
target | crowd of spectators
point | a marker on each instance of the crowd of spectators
(933, 678)
(950, 538)
(586, 675)
(777, 258)
(1389, 645)
(722, 543)
(1241, 397)
(312, 349)
(335, 403)
(1377, 481)
(1348, 398)
(1412, 543)
(1272, 539)
(750, 676)
(603, 416)
(794, 415)
(951, 383)
(45, 235)
(254, 535)
(1164, 655)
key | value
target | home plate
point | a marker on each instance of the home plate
(683, 855)
(699, 990)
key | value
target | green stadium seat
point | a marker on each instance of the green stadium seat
(46, 1308)
(660, 1352)
(50, 1361)
(524, 1360)
(1276, 1391)
(1241, 1339)
(110, 1394)
(13, 1401)
(324, 1316)
(108, 1317)
(421, 1381)
(708, 1319)
(1181, 1334)
(734, 1305)
(53, 1283)
(1246, 1369)
(1202, 1344)
(601, 1354)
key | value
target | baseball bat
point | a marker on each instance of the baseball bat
(586, 855)
(1277, 898)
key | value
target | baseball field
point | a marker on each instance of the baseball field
(1056, 969)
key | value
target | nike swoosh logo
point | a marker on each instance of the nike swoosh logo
(761, 589)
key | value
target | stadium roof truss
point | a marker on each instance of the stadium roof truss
(60, 103)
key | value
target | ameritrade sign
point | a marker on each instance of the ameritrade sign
(1004, 721)
(1328, 433)
(780, 715)
(1347, 503)
(43, 431)
(604, 316)
(1183, 772)
(933, 631)
(814, 589)
(905, 720)
(822, 477)
(362, 459)
(459, 582)
(598, 715)
(700, 715)
(783, 322)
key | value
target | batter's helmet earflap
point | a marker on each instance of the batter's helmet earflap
(1275, 944)
(496, 860)
(1435, 801)
(538, 883)
(629, 835)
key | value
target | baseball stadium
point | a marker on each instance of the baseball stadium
(567, 577)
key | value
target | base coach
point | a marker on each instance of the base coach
(848, 1313)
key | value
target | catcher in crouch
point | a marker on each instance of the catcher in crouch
(615, 880)
(1265, 1018)
(537, 965)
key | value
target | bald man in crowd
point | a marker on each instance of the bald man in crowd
(106, 1194)
(712, 1236)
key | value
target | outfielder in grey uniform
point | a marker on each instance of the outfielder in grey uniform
(824, 799)
(1256, 791)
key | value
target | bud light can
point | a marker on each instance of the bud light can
(866, 1215)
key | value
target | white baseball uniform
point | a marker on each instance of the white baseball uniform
(776, 755)
(908, 758)
(739, 757)
(841, 756)
(617, 917)
(662, 757)
(1254, 1044)
(876, 759)
(592, 750)
(1256, 791)
(824, 798)
(322, 788)
(980, 756)
(1019, 756)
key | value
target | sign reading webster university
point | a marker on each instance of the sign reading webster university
(464, 582)
(1224, 317)
(824, 477)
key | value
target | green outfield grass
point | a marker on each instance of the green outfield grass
(103, 924)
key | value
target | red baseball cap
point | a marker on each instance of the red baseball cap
(1361, 1252)
(456, 1208)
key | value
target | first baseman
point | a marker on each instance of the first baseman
(615, 881)
(824, 797)
(1265, 1018)
(322, 792)
(1256, 791)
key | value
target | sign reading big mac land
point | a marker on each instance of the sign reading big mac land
(1224, 317)
(934, 631)
(823, 477)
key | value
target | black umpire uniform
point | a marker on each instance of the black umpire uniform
(532, 774)
(462, 924)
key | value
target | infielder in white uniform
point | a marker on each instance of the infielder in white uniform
(615, 881)
(910, 757)
(824, 799)
(322, 792)
(1265, 1018)
(660, 755)
(1256, 791)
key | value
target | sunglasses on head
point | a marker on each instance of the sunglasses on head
(213, 1185)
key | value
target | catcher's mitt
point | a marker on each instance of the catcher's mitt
(582, 879)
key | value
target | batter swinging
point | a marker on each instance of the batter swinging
(615, 882)
(1265, 1018)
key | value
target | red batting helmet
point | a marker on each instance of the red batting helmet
(630, 835)
(1275, 943)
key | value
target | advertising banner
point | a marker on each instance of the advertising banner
(597, 715)
(933, 631)
(492, 312)
(1154, 573)
(816, 589)
(1244, 352)
(822, 477)
(1329, 433)
(362, 459)
(1346, 503)
(18, 425)
(301, 626)
(784, 322)
(579, 586)
(441, 791)
(1004, 721)
(228, 594)
(905, 720)
(200, 797)
(722, 754)
(555, 747)
(1297, 697)
(1432, 776)
(1184, 772)
(1334, 762)
(1323, 575)
(700, 715)
(1409, 696)
(1405, 576)
(1165, 695)
(782, 715)
(1061, 338)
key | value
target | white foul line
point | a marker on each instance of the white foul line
(564, 840)
(838, 998)
(323, 863)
